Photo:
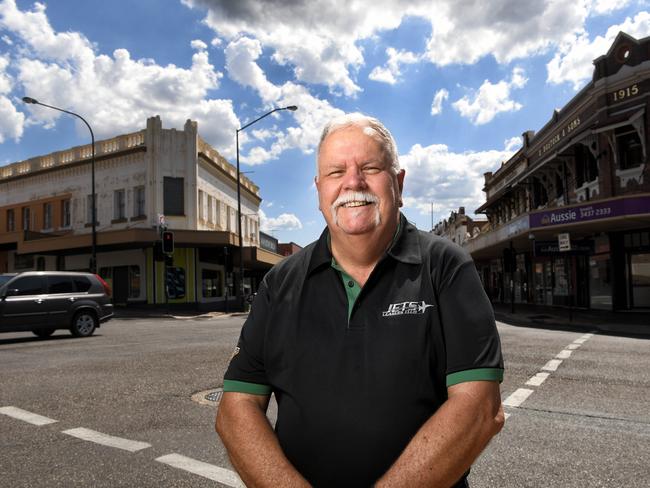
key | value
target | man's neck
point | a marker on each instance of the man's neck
(359, 254)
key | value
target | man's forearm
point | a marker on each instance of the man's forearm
(253, 447)
(448, 443)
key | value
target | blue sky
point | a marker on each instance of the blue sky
(456, 81)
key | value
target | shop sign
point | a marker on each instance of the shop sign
(591, 211)
(564, 242)
(559, 136)
(551, 248)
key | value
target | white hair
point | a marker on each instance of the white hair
(370, 126)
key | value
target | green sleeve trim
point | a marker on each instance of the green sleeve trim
(245, 387)
(481, 374)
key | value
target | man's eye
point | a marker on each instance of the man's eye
(335, 172)
(371, 170)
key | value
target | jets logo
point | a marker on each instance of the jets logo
(406, 308)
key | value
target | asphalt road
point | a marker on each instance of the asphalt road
(584, 424)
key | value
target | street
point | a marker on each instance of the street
(116, 409)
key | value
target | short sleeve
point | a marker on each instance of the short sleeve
(473, 348)
(246, 372)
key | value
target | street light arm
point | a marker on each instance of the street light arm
(293, 108)
(36, 102)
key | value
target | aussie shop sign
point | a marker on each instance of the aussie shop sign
(592, 211)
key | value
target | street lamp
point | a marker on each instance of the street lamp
(93, 252)
(240, 288)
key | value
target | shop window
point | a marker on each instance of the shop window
(585, 164)
(211, 283)
(138, 201)
(134, 281)
(66, 219)
(175, 282)
(23, 262)
(11, 220)
(119, 205)
(630, 151)
(201, 200)
(47, 216)
(27, 218)
(640, 278)
(173, 196)
(89, 209)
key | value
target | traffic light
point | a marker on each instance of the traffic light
(168, 242)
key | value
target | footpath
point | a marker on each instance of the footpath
(616, 323)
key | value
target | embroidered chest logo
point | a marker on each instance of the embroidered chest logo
(406, 308)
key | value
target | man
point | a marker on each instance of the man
(377, 341)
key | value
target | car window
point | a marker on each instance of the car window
(4, 279)
(29, 285)
(60, 284)
(82, 283)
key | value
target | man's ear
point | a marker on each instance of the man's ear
(400, 183)
(317, 190)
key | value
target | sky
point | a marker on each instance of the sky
(456, 82)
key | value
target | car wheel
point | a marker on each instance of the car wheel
(83, 324)
(43, 332)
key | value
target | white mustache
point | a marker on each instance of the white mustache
(354, 196)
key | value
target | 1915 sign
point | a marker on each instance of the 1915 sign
(625, 93)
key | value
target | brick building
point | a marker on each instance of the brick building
(585, 174)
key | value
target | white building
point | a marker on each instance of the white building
(45, 216)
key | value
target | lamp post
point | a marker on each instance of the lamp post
(240, 288)
(93, 252)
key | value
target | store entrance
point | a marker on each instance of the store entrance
(639, 267)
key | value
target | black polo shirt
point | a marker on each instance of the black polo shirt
(356, 374)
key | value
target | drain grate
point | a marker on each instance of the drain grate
(210, 398)
(214, 396)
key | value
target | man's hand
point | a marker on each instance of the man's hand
(252, 445)
(448, 443)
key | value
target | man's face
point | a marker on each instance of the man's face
(358, 192)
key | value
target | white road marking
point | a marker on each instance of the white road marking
(517, 398)
(106, 440)
(552, 365)
(564, 354)
(25, 416)
(206, 470)
(538, 379)
(573, 346)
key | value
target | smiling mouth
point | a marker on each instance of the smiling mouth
(356, 204)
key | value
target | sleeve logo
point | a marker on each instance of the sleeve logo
(406, 308)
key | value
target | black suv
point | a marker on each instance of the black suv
(43, 301)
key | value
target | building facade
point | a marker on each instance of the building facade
(143, 180)
(459, 227)
(569, 213)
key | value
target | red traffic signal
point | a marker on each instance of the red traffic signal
(168, 242)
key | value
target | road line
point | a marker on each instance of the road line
(552, 365)
(200, 468)
(25, 416)
(564, 354)
(538, 379)
(517, 398)
(106, 440)
(573, 346)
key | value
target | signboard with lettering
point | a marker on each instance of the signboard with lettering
(591, 211)
(551, 248)
(559, 135)
(564, 242)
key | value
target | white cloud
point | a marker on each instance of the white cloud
(311, 116)
(391, 72)
(285, 221)
(216, 42)
(573, 63)
(440, 96)
(7, 40)
(198, 44)
(11, 120)
(449, 180)
(322, 45)
(491, 99)
(114, 92)
(604, 7)
(513, 144)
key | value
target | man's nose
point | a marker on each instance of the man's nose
(354, 178)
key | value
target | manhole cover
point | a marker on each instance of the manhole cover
(208, 397)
